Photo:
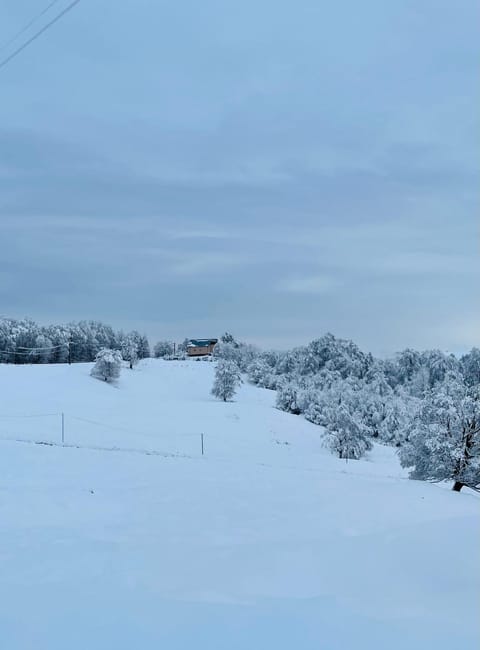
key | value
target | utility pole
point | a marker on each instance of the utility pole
(70, 350)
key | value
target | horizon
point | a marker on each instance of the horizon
(263, 348)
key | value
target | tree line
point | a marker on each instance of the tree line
(426, 404)
(25, 341)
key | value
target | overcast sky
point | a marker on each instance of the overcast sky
(278, 169)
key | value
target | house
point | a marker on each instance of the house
(200, 347)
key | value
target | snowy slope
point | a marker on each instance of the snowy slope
(265, 541)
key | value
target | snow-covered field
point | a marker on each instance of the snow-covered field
(266, 541)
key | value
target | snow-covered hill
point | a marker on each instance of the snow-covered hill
(266, 541)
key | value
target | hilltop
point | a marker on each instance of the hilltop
(129, 537)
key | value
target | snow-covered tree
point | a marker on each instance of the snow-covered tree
(345, 435)
(262, 370)
(313, 404)
(470, 366)
(227, 379)
(60, 338)
(162, 349)
(334, 354)
(108, 364)
(287, 398)
(130, 351)
(444, 437)
(259, 373)
(43, 350)
(228, 338)
(182, 347)
(227, 351)
(242, 354)
(144, 348)
(371, 409)
(408, 364)
(438, 365)
(418, 372)
(400, 410)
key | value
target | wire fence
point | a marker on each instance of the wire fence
(69, 430)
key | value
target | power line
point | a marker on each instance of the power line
(47, 347)
(29, 351)
(15, 353)
(35, 415)
(39, 33)
(8, 355)
(39, 348)
(27, 26)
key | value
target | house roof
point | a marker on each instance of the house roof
(201, 343)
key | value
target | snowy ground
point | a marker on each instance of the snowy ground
(266, 541)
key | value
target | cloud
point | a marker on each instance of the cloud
(315, 284)
(201, 263)
(248, 151)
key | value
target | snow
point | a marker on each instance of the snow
(267, 541)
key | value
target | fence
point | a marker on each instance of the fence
(61, 429)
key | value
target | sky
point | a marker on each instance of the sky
(275, 169)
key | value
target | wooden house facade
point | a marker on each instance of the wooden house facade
(201, 347)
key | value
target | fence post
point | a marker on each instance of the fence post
(201, 438)
(63, 428)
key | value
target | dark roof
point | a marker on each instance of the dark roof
(202, 343)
